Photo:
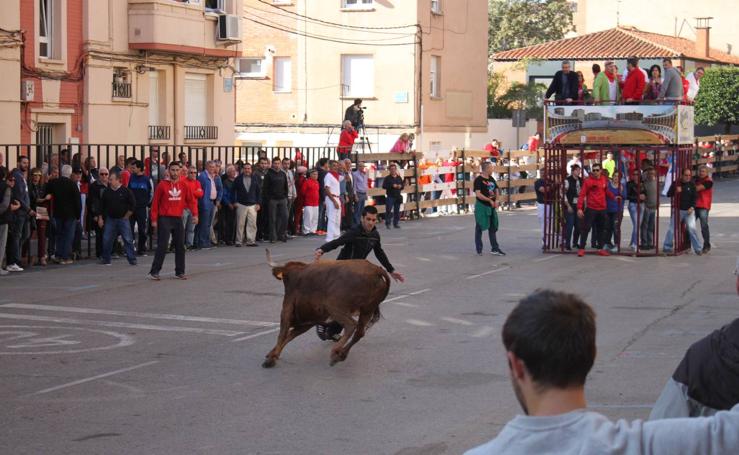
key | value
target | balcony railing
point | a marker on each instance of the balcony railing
(158, 132)
(121, 90)
(201, 132)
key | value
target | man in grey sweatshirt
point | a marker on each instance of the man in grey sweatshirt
(550, 342)
(672, 86)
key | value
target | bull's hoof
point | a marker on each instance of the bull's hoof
(269, 363)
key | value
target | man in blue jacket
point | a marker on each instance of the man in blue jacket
(212, 194)
(142, 188)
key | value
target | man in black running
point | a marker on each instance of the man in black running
(357, 243)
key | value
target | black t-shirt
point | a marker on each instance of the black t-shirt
(540, 195)
(486, 186)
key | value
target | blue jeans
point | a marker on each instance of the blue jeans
(571, 227)
(17, 235)
(647, 226)
(634, 225)
(139, 218)
(202, 230)
(392, 207)
(112, 229)
(702, 216)
(189, 227)
(65, 229)
(491, 236)
(361, 200)
(689, 219)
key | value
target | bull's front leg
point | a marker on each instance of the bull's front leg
(286, 320)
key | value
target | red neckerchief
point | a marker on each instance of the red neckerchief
(335, 174)
(611, 77)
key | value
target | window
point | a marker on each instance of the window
(154, 95)
(283, 74)
(196, 100)
(358, 4)
(436, 6)
(434, 77)
(214, 5)
(45, 28)
(358, 76)
(250, 67)
(121, 83)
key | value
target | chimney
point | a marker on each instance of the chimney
(702, 36)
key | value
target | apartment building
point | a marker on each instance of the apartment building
(420, 66)
(119, 71)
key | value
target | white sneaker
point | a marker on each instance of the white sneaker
(14, 268)
(3, 272)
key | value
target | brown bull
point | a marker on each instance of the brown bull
(328, 290)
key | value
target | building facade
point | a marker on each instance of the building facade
(120, 71)
(420, 66)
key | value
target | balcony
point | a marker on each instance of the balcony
(176, 27)
(159, 133)
(121, 90)
(201, 132)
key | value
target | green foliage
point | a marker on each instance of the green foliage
(518, 96)
(718, 98)
(520, 23)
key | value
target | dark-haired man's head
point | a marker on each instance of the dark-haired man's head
(276, 163)
(369, 217)
(550, 342)
(138, 167)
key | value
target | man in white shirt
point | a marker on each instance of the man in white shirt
(332, 190)
(694, 82)
(550, 342)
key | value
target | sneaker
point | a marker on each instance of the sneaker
(706, 249)
(603, 252)
(67, 262)
(4, 272)
(142, 254)
(251, 244)
(237, 245)
(698, 253)
(181, 276)
(497, 252)
(101, 262)
(479, 253)
(153, 277)
(132, 262)
(396, 226)
(613, 250)
(14, 268)
(581, 252)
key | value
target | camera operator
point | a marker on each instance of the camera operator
(346, 140)
(355, 114)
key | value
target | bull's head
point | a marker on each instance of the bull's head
(279, 271)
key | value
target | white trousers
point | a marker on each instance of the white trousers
(541, 210)
(310, 219)
(334, 221)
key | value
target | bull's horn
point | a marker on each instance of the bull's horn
(269, 259)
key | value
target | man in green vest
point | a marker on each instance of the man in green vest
(605, 87)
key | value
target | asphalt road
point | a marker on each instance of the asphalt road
(96, 359)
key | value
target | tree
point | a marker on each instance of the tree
(520, 23)
(718, 98)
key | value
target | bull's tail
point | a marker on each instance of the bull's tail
(377, 315)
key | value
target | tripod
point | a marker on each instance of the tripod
(363, 141)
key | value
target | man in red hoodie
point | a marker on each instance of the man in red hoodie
(635, 82)
(593, 196)
(704, 185)
(171, 197)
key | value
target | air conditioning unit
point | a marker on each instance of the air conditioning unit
(229, 27)
(28, 91)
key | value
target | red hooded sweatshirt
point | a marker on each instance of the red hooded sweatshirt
(634, 85)
(309, 192)
(171, 198)
(595, 192)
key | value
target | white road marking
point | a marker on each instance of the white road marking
(402, 296)
(494, 271)
(172, 317)
(457, 321)
(423, 259)
(623, 259)
(405, 304)
(82, 288)
(93, 378)
(28, 317)
(471, 277)
(449, 257)
(123, 340)
(419, 292)
(516, 294)
(255, 335)
(547, 258)
(483, 332)
(418, 323)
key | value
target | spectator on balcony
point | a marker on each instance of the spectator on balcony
(275, 191)
(672, 86)
(248, 196)
(212, 193)
(227, 213)
(94, 207)
(18, 229)
(694, 83)
(67, 207)
(117, 205)
(605, 88)
(635, 82)
(188, 223)
(346, 139)
(654, 86)
(582, 89)
(402, 145)
(493, 147)
(564, 85)
(143, 190)
(7, 206)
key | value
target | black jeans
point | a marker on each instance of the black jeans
(227, 224)
(597, 220)
(17, 236)
(170, 225)
(277, 219)
(392, 209)
(263, 221)
(139, 218)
